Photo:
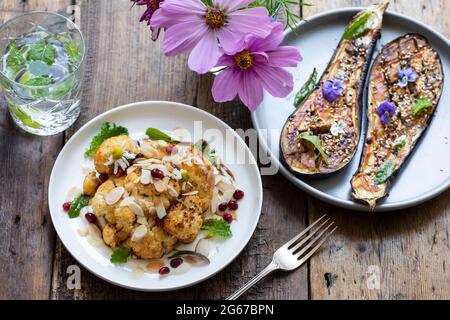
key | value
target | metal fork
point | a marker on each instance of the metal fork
(294, 253)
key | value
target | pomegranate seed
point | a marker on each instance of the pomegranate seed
(228, 217)
(66, 206)
(238, 194)
(164, 270)
(172, 150)
(233, 205)
(120, 172)
(139, 155)
(103, 177)
(157, 174)
(223, 206)
(175, 263)
(90, 217)
(159, 222)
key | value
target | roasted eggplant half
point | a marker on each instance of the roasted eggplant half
(322, 135)
(405, 87)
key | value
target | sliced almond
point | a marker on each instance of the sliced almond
(142, 220)
(202, 247)
(137, 210)
(139, 233)
(160, 186)
(83, 232)
(214, 201)
(172, 191)
(146, 176)
(114, 195)
(225, 187)
(126, 201)
(160, 210)
(193, 193)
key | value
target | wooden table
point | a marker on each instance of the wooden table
(410, 249)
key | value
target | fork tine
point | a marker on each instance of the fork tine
(312, 242)
(312, 251)
(312, 234)
(297, 237)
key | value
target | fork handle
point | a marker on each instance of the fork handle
(269, 269)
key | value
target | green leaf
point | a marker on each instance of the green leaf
(217, 227)
(62, 89)
(43, 51)
(156, 135)
(77, 204)
(400, 142)
(315, 140)
(120, 255)
(23, 116)
(185, 176)
(386, 170)
(39, 68)
(307, 89)
(38, 81)
(15, 59)
(72, 51)
(207, 151)
(420, 105)
(106, 131)
(359, 26)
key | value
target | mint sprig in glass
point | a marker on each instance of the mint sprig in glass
(41, 70)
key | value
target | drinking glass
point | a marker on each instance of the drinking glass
(41, 71)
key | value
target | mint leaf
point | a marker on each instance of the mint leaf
(307, 89)
(42, 51)
(420, 105)
(120, 255)
(359, 26)
(23, 116)
(156, 135)
(217, 227)
(106, 131)
(39, 68)
(38, 81)
(77, 204)
(207, 151)
(71, 49)
(185, 176)
(385, 171)
(315, 140)
(15, 59)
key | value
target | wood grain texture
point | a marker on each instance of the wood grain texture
(123, 66)
(26, 233)
(409, 248)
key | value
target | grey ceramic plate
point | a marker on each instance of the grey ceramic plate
(427, 173)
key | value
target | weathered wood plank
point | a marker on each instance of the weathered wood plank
(410, 249)
(26, 235)
(136, 70)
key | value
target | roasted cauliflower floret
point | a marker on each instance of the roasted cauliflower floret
(109, 236)
(153, 245)
(201, 179)
(99, 205)
(104, 153)
(90, 184)
(125, 219)
(184, 219)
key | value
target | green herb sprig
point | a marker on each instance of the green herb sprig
(420, 105)
(307, 89)
(106, 131)
(217, 227)
(120, 255)
(77, 204)
(315, 141)
(385, 171)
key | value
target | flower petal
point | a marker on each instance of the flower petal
(206, 53)
(232, 5)
(226, 85)
(277, 81)
(184, 6)
(251, 90)
(284, 57)
(253, 21)
(271, 42)
(232, 42)
(182, 37)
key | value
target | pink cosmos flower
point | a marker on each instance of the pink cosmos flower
(258, 66)
(194, 27)
(152, 7)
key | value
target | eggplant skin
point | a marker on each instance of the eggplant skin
(318, 117)
(409, 51)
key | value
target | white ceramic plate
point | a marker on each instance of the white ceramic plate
(137, 117)
(427, 173)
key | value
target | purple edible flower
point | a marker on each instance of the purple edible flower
(406, 76)
(386, 111)
(332, 90)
